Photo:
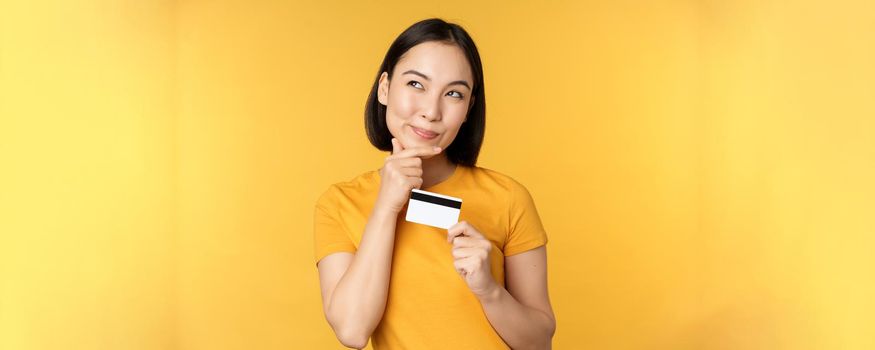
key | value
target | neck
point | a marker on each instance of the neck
(436, 169)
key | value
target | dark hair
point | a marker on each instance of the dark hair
(466, 146)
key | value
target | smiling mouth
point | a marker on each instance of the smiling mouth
(424, 133)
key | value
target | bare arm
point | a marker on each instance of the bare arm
(355, 286)
(521, 314)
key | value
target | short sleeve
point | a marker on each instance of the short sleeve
(525, 229)
(329, 235)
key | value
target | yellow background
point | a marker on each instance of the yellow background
(704, 168)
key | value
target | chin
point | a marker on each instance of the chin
(416, 141)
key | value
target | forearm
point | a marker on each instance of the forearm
(520, 326)
(357, 303)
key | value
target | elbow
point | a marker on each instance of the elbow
(543, 339)
(551, 328)
(352, 330)
(350, 334)
(352, 338)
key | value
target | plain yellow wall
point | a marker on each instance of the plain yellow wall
(703, 168)
(87, 147)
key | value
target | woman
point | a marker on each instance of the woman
(481, 284)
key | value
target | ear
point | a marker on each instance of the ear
(383, 89)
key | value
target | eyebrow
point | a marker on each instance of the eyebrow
(457, 82)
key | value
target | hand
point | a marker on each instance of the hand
(401, 173)
(471, 253)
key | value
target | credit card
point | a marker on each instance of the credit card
(433, 209)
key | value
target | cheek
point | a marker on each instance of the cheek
(401, 105)
(453, 117)
(399, 109)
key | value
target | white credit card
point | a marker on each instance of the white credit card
(433, 209)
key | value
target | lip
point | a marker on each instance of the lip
(426, 134)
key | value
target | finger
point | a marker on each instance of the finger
(473, 242)
(458, 225)
(461, 253)
(415, 181)
(466, 265)
(409, 162)
(412, 171)
(465, 242)
(461, 266)
(396, 146)
(415, 152)
(454, 232)
(462, 228)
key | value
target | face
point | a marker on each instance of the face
(429, 95)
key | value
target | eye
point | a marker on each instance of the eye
(415, 84)
(457, 94)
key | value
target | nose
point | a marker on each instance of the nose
(431, 109)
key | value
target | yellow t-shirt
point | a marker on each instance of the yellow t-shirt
(429, 305)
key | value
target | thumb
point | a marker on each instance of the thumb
(396, 146)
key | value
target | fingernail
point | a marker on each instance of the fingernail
(437, 148)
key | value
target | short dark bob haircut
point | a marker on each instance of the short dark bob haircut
(466, 146)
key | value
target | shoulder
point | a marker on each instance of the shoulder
(356, 187)
(505, 189)
(497, 181)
